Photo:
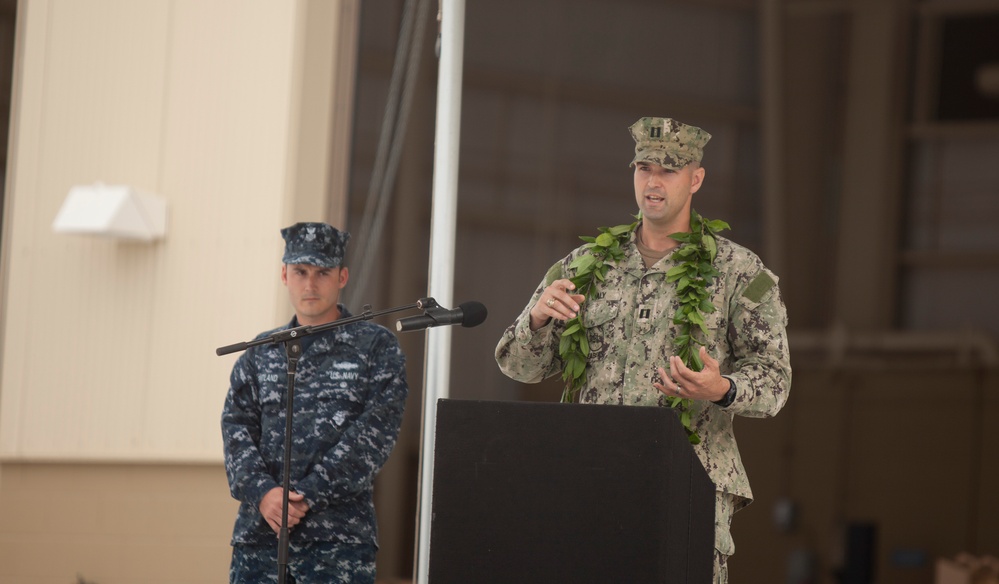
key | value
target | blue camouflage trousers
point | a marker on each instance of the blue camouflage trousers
(311, 563)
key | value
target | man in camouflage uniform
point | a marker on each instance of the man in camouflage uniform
(630, 327)
(350, 391)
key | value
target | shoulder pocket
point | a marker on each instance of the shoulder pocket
(759, 288)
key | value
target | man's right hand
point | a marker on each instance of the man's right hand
(270, 508)
(557, 301)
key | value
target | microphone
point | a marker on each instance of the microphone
(468, 314)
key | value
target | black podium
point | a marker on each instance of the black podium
(556, 493)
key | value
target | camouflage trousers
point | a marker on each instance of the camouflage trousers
(721, 568)
(311, 563)
(724, 546)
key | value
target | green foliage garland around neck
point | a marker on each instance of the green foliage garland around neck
(692, 275)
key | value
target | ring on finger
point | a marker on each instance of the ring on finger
(550, 302)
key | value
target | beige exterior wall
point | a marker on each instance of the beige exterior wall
(202, 103)
(114, 523)
(110, 455)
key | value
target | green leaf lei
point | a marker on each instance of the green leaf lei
(692, 275)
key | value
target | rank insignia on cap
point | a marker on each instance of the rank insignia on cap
(667, 142)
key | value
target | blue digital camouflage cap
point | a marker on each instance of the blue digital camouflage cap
(667, 142)
(316, 244)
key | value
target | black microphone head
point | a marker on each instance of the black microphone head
(472, 313)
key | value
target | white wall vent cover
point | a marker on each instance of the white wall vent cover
(113, 211)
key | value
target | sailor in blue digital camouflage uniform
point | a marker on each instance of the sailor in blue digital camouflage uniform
(632, 334)
(350, 391)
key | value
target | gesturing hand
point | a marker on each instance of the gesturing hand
(557, 302)
(706, 384)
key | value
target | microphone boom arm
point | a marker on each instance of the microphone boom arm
(302, 331)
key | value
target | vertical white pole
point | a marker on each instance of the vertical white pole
(442, 236)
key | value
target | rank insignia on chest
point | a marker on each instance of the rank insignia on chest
(644, 313)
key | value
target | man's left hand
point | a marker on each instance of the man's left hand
(706, 384)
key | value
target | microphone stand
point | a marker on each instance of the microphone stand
(292, 339)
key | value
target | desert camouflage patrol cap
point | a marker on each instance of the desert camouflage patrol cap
(316, 244)
(667, 142)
